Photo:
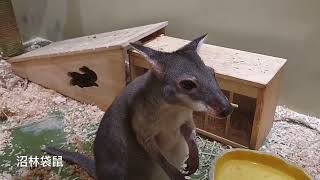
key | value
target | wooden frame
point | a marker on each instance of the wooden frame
(255, 92)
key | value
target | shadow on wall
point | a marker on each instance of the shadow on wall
(30, 15)
(53, 20)
(73, 24)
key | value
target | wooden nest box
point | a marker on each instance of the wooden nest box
(249, 80)
(99, 59)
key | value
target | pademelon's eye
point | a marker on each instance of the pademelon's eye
(187, 84)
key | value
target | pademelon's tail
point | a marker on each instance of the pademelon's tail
(74, 158)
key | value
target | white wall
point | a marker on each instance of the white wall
(283, 28)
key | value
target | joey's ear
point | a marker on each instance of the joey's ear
(152, 56)
(195, 44)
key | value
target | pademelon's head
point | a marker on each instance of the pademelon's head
(187, 80)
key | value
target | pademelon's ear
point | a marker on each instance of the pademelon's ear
(195, 44)
(152, 56)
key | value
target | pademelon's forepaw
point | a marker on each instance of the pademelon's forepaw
(191, 165)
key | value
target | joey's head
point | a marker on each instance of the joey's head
(186, 80)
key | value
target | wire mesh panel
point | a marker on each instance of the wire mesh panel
(10, 40)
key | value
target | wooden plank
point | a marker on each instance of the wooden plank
(206, 119)
(257, 119)
(239, 66)
(226, 84)
(126, 61)
(237, 87)
(228, 123)
(135, 71)
(92, 43)
(153, 35)
(220, 139)
(268, 106)
(52, 73)
(138, 60)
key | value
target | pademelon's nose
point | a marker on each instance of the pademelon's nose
(226, 111)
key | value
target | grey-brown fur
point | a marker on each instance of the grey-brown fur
(148, 131)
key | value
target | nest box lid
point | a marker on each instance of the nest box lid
(92, 43)
(230, 64)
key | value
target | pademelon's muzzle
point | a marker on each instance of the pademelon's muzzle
(220, 107)
(220, 113)
(226, 111)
